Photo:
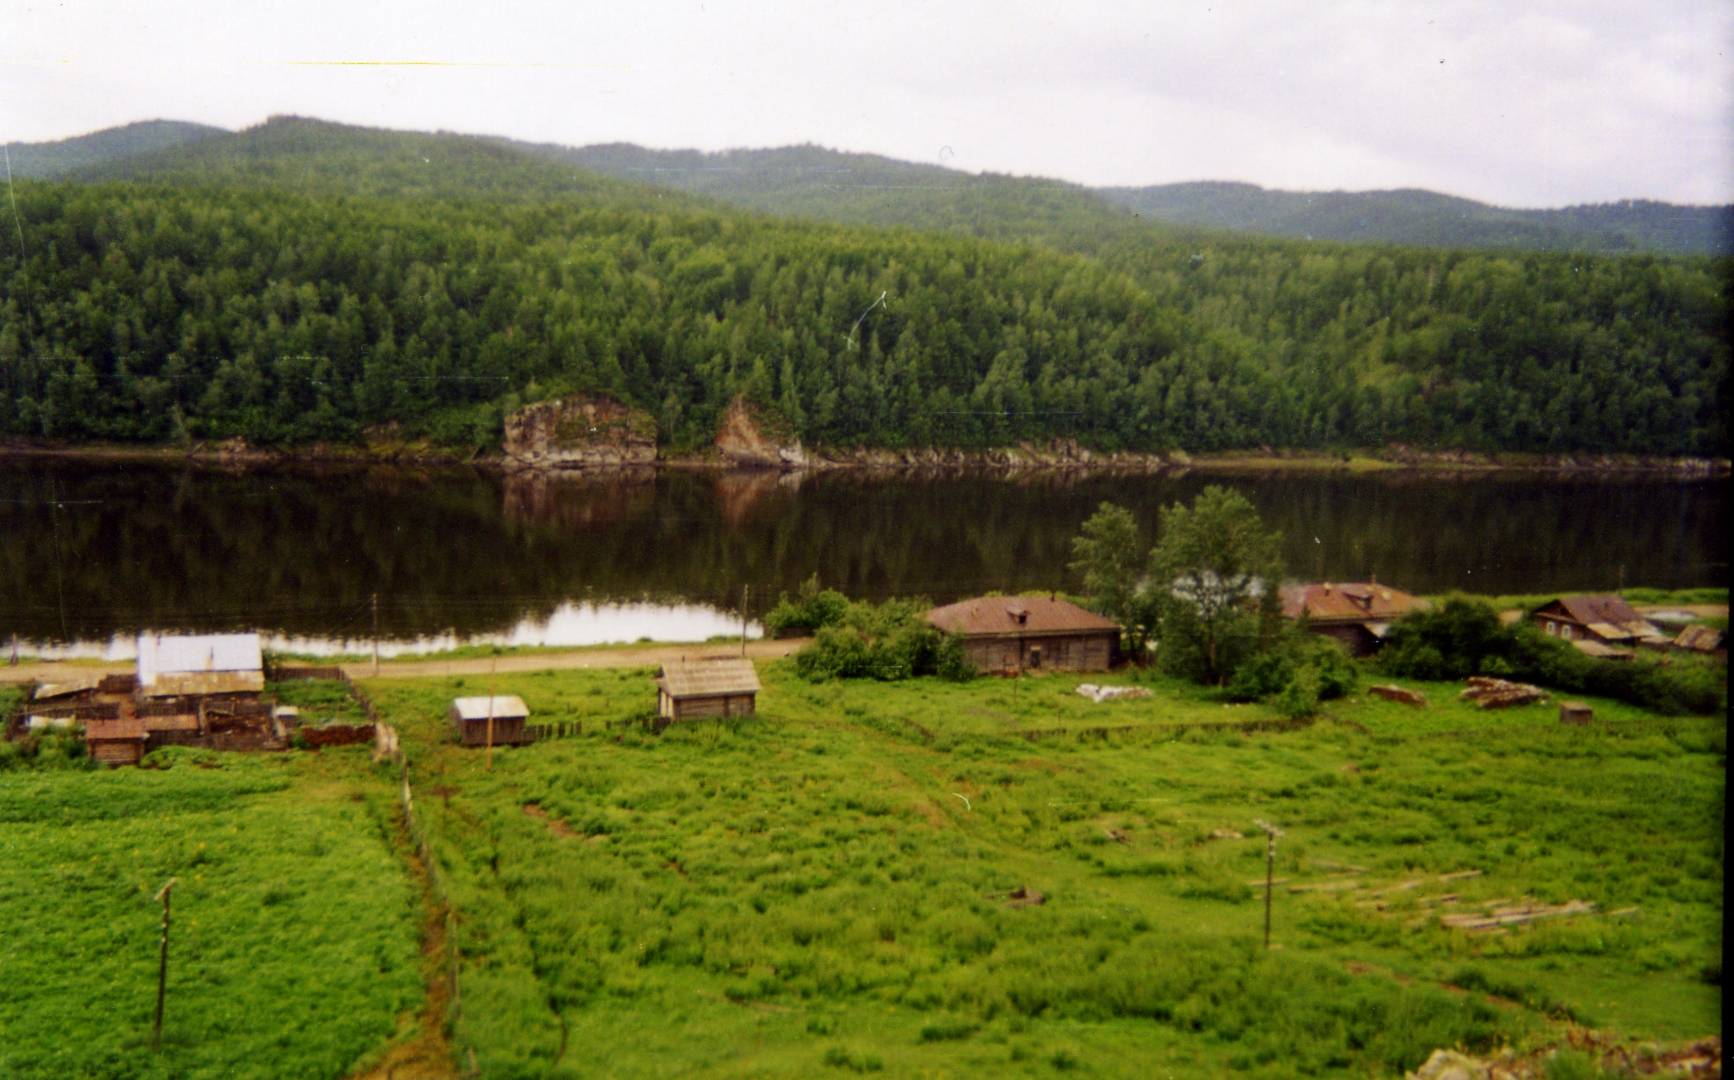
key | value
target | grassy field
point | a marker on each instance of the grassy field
(294, 950)
(829, 888)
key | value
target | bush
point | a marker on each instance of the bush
(815, 608)
(888, 642)
(1465, 637)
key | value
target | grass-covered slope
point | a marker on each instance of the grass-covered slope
(827, 889)
(293, 950)
(303, 280)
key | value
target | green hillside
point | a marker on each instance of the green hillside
(303, 280)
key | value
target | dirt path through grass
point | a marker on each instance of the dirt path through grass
(614, 656)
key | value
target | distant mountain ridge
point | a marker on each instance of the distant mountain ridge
(868, 189)
(50, 159)
(1426, 218)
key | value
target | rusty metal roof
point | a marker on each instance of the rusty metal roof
(127, 727)
(708, 678)
(1014, 616)
(197, 683)
(1349, 602)
(504, 707)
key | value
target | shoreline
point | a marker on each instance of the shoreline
(1015, 460)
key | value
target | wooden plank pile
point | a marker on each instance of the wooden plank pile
(1490, 693)
(1400, 694)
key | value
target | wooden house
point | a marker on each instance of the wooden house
(1604, 626)
(200, 665)
(115, 742)
(1355, 614)
(1010, 634)
(472, 717)
(707, 688)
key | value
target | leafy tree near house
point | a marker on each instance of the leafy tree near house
(1214, 577)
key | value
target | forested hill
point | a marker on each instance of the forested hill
(240, 286)
(1428, 219)
(111, 144)
(866, 189)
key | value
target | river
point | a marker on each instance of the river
(92, 552)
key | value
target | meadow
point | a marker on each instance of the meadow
(833, 887)
(294, 950)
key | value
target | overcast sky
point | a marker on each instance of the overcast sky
(1523, 104)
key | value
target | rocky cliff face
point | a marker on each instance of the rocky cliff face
(754, 435)
(583, 432)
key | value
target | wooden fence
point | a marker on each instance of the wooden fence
(558, 730)
(436, 887)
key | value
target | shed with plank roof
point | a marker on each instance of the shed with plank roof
(1705, 641)
(1010, 634)
(1355, 614)
(472, 717)
(702, 689)
(116, 742)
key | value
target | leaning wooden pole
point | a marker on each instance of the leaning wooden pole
(1271, 832)
(162, 963)
(493, 670)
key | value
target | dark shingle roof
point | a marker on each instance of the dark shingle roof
(988, 616)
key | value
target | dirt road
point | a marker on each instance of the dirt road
(621, 656)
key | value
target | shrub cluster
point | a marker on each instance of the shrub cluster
(1464, 637)
(888, 642)
(1297, 673)
(811, 609)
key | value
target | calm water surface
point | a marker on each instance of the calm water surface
(90, 554)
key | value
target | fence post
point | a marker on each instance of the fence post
(162, 962)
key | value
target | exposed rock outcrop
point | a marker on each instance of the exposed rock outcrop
(753, 434)
(587, 431)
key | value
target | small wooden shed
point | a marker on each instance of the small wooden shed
(707, 688)
(472, 716)
(116, 742)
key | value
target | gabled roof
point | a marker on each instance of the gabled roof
(708, 678)
(505, 707)
(1350, 602)
(1013, 616)
(1701, 639)
(1597, 609)
(172, 654)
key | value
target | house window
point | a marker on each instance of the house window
(1552, 629)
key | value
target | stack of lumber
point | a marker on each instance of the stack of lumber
(1491, 693)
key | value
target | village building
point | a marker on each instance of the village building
(1010, 634)
(1601, 626)
(1355, 614)
(707, 688)
(505, 714)
(1703, 641)
(200, 665)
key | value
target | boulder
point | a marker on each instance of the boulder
(586, 431)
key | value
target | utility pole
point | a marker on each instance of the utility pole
(1271, 832)
(376, 635)
(493, 669)
(746, 591)
(162, 962)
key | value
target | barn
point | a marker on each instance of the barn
(1029, 633)
(472, 717)
(1354, 614)
(707, 688)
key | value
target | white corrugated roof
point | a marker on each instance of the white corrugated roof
(171, 654)
(506, 707)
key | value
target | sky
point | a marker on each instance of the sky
(1546, 103)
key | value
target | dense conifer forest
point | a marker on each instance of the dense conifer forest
(304, 281)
